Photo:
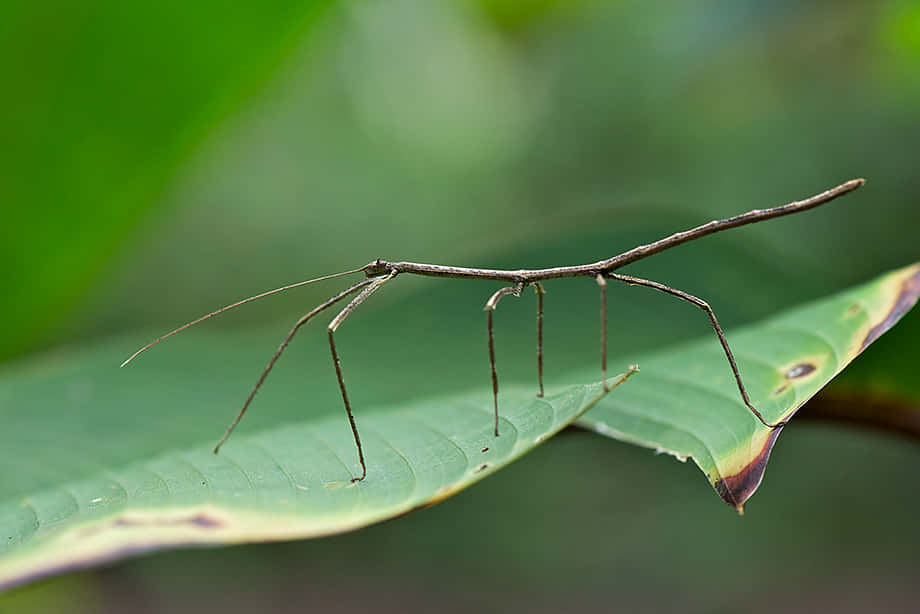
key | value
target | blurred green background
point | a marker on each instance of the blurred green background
(162, 161)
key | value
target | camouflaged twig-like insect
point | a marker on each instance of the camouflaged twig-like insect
(380, 272)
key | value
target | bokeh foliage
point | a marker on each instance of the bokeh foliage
(104, 102)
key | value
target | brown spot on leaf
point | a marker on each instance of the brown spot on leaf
(485, 449)
(780, 390)
(907, 296)
(854, 309)
(481, 468)
(801, 370)
(204, 521)
(736, 489)
(200, 520)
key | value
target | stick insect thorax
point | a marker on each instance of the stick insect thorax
(379, 272)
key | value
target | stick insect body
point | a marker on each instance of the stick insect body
(380, 272)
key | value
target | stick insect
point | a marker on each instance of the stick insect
(380, 272)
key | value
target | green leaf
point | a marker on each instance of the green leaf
(686, 402)
(101, 463)
(287, 482)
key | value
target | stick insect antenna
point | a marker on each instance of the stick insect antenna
(234, 305)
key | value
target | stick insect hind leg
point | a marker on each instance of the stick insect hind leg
(333, 326)
(602, 284)
(684, 296)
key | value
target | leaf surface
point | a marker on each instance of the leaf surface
(686, 402)
(100, 463)
(287, 482)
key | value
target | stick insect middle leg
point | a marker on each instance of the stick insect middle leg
(637, 281)
(538, 288)
(333, 326)
(491, 304)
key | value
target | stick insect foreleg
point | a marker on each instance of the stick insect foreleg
(284, 343)
(491, 304)
(636, 281)
(375, 283)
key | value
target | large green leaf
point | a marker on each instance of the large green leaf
(97, 466)
(292, 481)
(687, 404)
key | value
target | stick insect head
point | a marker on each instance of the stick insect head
(377, 267)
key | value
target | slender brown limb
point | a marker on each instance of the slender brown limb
(540, 291)
(333, 326)
(284, 343)
(636, 281)
(602, 284)
(491, 304)
(492, 367)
